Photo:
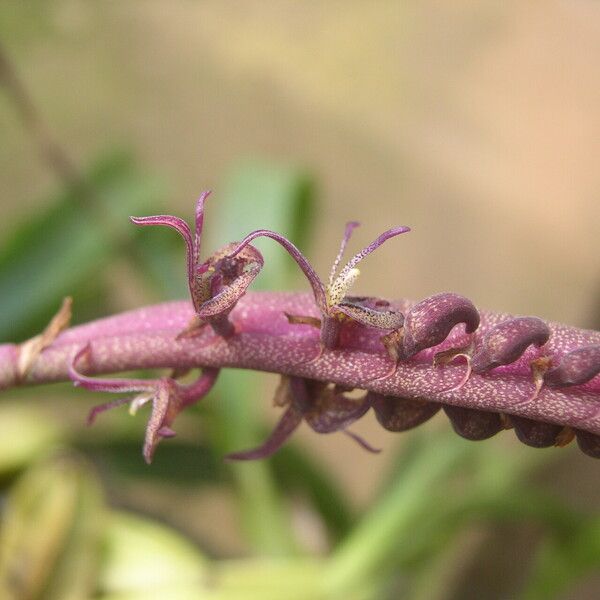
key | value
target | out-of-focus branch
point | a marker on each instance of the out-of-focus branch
(51, 152)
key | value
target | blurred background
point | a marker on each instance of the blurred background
(477, 123)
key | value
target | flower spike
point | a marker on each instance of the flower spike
(168, 397)
(216, 284)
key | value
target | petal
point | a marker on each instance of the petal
(288, 423)
(401, 414)
(335, 412)
(302, 262)
(535, 433)
(473, 424)
(361, 442)
(199, 225)
(169, 400)
(97, 384)
(429, 322)
(575, 368)
(325, 408)
(184, 230)
(160, 405)
(350, 227)
(100, 408)
(507, 341)
(386, 235)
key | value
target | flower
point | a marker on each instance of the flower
(324, 407)
(168, 397)
(219, 282)
(332, 301)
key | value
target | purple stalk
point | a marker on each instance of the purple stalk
(147, 338)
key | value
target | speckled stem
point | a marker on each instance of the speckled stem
(266, 341)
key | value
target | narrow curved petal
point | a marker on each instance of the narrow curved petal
(301, 261)
(183, 229)
(169, 400)
(100, 408)
(199, 225)
(97, 384)
(350, 227)
(386, 235)
(163, 398)
(288, 423)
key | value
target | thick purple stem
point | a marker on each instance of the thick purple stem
(265, 341)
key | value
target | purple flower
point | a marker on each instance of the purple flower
(219, 282)
(333, 303)
(168, 397)
(323, 407)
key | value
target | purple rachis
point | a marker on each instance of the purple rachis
(145, 338)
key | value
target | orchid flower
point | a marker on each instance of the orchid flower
(333, 303)
(324, 408)
(168, 397)
(216, 284)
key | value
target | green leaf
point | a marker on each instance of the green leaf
(142, 555)
(50, 539)
(62, 250)
(297, 471)
(25, 434)
(564, 560)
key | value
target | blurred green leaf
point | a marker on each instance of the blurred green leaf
(177, 462)
(25, 434)
(61, 251)
(297, 471)
(369, 550)
(563, 560)
(145, 557)
(50, 540)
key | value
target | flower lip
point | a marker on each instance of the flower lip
(373, 312)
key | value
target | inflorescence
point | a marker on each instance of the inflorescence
(553, 361)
